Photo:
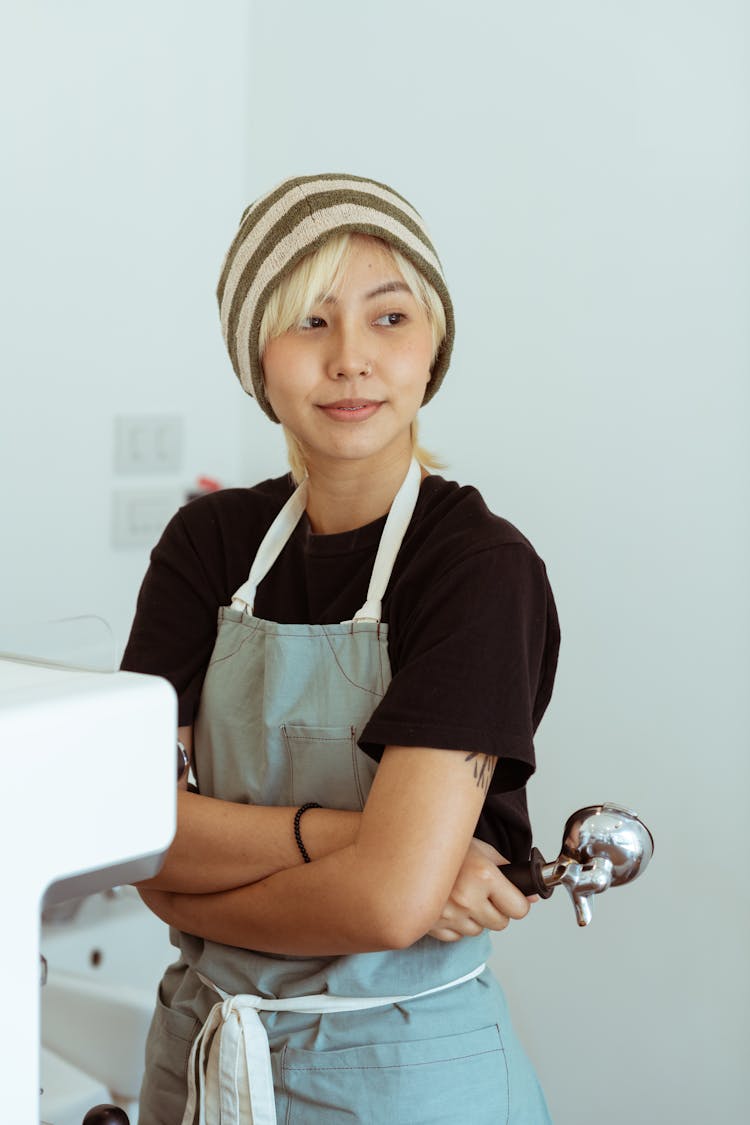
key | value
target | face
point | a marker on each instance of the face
(349, 381)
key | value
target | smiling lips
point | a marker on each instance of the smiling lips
(350, 409)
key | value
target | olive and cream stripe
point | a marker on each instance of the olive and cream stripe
(306, 186)
(293, 220)
(264, 218)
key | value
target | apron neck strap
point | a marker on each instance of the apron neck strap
(399, 518)
(281, 529)
(271, 547)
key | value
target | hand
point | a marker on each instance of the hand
(482, 898)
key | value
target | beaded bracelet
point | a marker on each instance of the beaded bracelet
(297, 834)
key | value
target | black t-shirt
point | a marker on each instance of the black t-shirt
(472, 627)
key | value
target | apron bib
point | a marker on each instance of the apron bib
(281, 711)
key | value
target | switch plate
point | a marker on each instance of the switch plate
(139, 515)
(148, 443)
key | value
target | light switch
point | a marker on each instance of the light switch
(148, 444)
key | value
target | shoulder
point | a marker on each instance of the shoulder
(206, 548)
(230, 509)
(462, 567)
(201, 558)
(219, 530)
(453, 524)
(466, 570)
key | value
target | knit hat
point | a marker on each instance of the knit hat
(294, 219)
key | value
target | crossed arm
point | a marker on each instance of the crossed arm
(406, 866)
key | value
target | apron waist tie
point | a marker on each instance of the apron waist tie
(233, 1057)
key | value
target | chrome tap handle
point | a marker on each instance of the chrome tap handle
(603, 846)
(583, 881)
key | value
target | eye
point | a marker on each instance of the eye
(391, 319)
(312, 322)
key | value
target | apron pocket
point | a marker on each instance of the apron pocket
(439, 1081)
(327, 766)
(164, 1090)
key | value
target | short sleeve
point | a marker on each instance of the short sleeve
(473, 662)
(174, 628)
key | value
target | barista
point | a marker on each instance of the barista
(361, 722)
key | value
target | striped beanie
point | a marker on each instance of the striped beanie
(293, 220)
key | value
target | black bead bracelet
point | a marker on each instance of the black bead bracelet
(297, 834)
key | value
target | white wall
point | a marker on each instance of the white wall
(125, 140)
(584, 169)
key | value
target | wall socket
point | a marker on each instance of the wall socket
(139, 515)
(148, 443)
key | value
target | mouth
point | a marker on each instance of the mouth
(350, 409)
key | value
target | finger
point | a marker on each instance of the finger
(490, 918)
(508, 899)
(467, 927)
(445, 935)
(462, 924)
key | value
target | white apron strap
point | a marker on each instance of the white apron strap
(271, 547)
(232, 1057)
(399, 518)
(282, 527)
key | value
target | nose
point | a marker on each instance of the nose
(348, 358)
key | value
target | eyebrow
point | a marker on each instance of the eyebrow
(386, 287)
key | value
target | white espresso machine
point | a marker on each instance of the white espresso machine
(88, 803)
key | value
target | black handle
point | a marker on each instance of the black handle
(106, 1115)
(528, 876)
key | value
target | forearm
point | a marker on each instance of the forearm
(324, 908)
(220, 845)
(481, 898)
(353, 903)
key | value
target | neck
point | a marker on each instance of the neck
(349, 494)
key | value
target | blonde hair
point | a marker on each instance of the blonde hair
(316, 277)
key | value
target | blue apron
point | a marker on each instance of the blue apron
(417, 1036)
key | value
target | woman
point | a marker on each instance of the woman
(361, 725)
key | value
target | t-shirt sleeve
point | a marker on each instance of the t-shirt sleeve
(474, 662)
(174, 628)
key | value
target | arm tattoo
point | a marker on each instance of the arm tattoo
(483, 766)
